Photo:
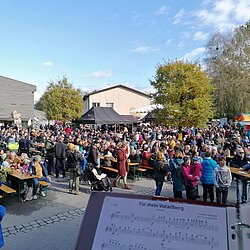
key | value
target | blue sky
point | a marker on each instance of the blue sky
(100, 43)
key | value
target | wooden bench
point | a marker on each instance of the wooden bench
(140, 171)
(7, 190)
(147, 167)
(149, 170)
(44, 185)
(110, 169)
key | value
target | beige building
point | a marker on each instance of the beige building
(16, 97)
(121, 98)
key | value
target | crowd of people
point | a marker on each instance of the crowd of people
(184, 156)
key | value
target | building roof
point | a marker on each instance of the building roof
(40, 116)
(117, 86)
(4, 79)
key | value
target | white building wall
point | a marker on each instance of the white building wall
(123, 99)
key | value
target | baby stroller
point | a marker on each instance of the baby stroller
(103, 184)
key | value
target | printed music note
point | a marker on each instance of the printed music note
(149, 225)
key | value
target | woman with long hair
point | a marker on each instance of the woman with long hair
(160, 171)
(176, 173)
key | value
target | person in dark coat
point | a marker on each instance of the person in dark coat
(23, 145)
(75, 158)
(160, 171)
(122, 164)
(176, 173)
(94, 154)
(50, 153)
(60, 154)
(134, 157)
(238, 161)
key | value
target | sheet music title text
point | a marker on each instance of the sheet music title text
(161, 205)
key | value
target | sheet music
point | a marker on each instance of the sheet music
(245, 219)
(136, 224)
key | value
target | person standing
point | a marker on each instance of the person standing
(222, 180)
(2, 213)
(23, 145)
(122, 164)
(60, 154)
(50, 153)
(190, 180)
(176, 173)
(238, 161)
(75, 158)
(207, 176)
(94, 154)
(196, 171)
(160, 171)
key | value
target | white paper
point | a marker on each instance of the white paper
(136, 224)
(245, 220)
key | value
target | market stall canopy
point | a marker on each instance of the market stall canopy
(131, 118)
(102, 115)
(150, 117)
(147, 109)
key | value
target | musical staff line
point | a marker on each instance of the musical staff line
(177, 222)
(163, 235)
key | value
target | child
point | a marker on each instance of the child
(222, 180)
(195, 170)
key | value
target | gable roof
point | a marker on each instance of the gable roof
(117, 86)
(8, 80)
(101, 115)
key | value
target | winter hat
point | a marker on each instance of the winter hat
(71, 146)
(186, 158)
(197, 159)
(5, 164)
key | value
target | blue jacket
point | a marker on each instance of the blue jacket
(2, 213)
(176, 171)
(207, 170)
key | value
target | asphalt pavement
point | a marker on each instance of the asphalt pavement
(53, 222)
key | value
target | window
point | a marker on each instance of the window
(110, 104)
(95, 104)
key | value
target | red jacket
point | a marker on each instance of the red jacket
(122, 163)
(189, 179)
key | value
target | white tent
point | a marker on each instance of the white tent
(147, 109)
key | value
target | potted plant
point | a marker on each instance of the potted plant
(3, 175)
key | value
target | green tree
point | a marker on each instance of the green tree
(184, 92)
(227, 64)
(61, 101)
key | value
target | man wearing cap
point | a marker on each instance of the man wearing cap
(239, 161)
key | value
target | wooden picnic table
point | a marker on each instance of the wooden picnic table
(133, 166)
(21, 178)
(240, 172)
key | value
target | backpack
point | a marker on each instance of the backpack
(28, 194)
(180, 175)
